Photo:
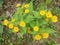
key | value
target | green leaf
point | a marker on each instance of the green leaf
(51, 42)
(1, 1)
(47, 30)
(42, 22)
(1, 29)
(48, 1)
(36, 14)
(18, 11)
(0, 37)
(31, 6)
(29, 18)
(10, 43)
(42, 6)
(32, 23)
(23, 31)
(34, 32)
(57, 44)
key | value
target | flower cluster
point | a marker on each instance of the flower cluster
(45, 36)
(26, 6)
(49, 15)
(11, 25)
(30, 21)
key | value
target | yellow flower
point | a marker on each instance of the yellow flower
(36, 28)
(42, 12)
(5, 22)
(48, 14)
(22, 24)
(18, 5)
(26, 11)
(16, 29)
(45, 35)
(37, 37)
(13, 20)
(11, 25)
(29, 31)
(26, 5)
(54, 19)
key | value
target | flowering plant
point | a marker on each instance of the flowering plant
(26, 20)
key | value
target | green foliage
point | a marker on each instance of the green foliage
(56, 11)
(31, 19)
(1, 29)
(1, 3)
(48, 1)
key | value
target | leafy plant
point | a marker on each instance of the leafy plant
(29, 24)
